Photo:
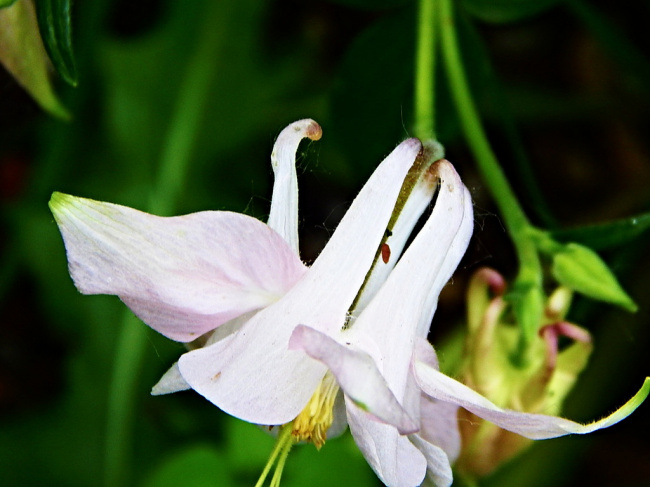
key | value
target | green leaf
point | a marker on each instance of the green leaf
(581, 269)
(56, 30)
(373, 96)
(607, 235)
(504, 11)
(6, 3)
(23, 55)
(371, 4)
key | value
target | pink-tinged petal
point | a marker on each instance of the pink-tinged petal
(395, 460)
(404, 306)
(439, 472)
(534, 426)
(256, 377)
(340, 422)
(438, 419)
(171, 381)
(283, 217)
(357, 374)
(183, 276)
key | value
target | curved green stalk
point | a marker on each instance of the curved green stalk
(424, 102)
(528, 283)
(174, 164)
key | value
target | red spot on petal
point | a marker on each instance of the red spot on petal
(385, 253)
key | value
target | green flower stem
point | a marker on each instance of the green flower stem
(530, 272)
(176, 155)
(424, 102)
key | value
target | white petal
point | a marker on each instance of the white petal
(357, 374)
(534, 426)
(395, 460)
(171, 381)
(417, 202)
(438, 419)
(404, 306)
(438, 467)
(183, 276)
(257, 378)
(340, 422)
(283, 217)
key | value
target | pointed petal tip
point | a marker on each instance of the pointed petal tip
(58, 199)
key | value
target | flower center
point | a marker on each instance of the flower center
(317, 416)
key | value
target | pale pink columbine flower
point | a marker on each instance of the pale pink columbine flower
(310, 350)
(238, 286)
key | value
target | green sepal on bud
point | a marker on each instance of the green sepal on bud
(527, 302)
(581, 269)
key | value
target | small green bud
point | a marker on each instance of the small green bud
(536, 383)
(581, 269)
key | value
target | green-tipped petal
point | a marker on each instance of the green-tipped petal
(184, 275)
(533, 426)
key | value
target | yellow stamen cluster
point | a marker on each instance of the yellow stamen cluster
(317, 416)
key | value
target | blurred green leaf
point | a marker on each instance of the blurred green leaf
(504, 11)
(249, 446)
(56, 30)
(613, 39)
(498, 109)
(371, 103)
(6, 3)
(195, 466)
(371, 4)
(248, 99)
(22, 53)
(338, 462)
(606, 235)
(581, 269)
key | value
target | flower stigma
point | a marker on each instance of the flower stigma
(317, 416)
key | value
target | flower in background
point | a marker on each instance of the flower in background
(533, 392)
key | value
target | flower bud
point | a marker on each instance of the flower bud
(582, 270)
(539, 385)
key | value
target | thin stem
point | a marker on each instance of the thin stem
(424, 101)
(175, 159)
(282, 460)
(284, 439)
(530, 272)
(121, 400)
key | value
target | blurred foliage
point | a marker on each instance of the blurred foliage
(55, 25)
(560, 84)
